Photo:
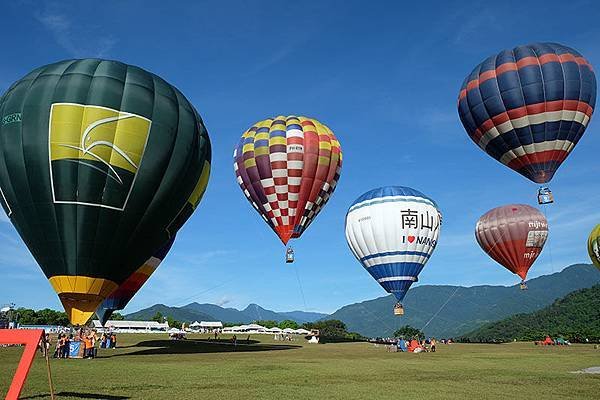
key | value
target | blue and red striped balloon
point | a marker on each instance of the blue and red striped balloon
(529, 106)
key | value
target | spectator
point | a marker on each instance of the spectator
(87, 349)
(67, 346)
(58, 349)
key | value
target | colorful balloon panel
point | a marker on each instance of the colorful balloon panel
(594, 246)
(392, 231)
(513, 235)
(528, 107)
(288, 168)
(98, 160)
(118, 299)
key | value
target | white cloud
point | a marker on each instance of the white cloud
(223, 300)
(275, 58)
(79, 43)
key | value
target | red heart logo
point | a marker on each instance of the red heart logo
(411, 239)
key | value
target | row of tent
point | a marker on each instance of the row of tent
(255, 328)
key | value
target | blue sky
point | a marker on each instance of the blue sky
(384, 76)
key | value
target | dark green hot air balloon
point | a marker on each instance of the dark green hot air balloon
(100, 164)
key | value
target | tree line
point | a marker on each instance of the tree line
(575, 317)
(46, 316)
(330, 330)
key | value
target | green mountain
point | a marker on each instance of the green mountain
(440, 311)
(179, 314)
(211, 312)
(450, 311)
(575, 317)
(304, 316)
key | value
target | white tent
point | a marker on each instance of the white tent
(288, 330)
(302, 331)
(231, 329)
(211, 324)
(173, 330)
(274, 330)
(132, 326)
(195, 324)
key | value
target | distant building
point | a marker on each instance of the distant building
(258, 329)
(132, 326)
(6, 317)
(206, 326)
(46, 328)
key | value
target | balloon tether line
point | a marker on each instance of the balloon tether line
(376, 317)
(441, 308)
(545, 207)
(300, 286)
(183, 300)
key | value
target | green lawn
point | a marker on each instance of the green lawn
(151, 367)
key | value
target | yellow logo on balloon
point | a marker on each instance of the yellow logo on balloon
(95, 154)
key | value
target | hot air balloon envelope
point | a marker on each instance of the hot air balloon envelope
(118, 299)
(288, 167)
(594, 246)
(513, 235)
(529, 106)
(100, 164)
(393, 231)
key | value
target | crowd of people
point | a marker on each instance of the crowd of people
(548, 341)
(413, 345)
(88, 343)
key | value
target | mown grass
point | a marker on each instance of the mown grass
(151, 367)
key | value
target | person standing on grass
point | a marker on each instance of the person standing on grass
(58, 348)
(94, 341)
(433, 345)
(67, 346)
(87, 343)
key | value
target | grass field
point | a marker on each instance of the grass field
(151, 367)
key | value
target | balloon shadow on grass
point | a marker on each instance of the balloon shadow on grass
(96, 396)
(153, 347)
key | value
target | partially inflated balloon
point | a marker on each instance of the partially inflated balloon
(118, 299)
(529, 106)
(594, 246)
(288, 167)
(393, 231)
(513, 235)
(100, 164)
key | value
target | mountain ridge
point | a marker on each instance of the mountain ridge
(211, 312)
(575, 316)
(464, 308)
